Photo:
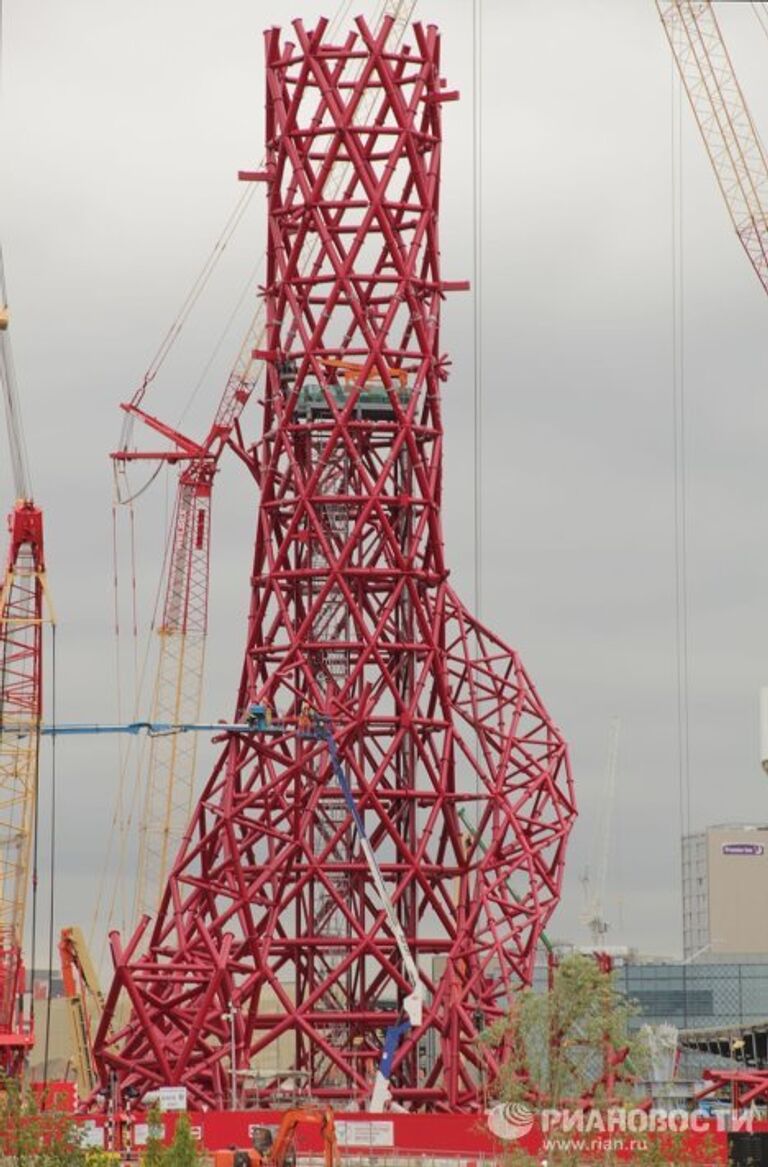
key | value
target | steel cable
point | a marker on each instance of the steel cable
(52, 901)
(680, 463)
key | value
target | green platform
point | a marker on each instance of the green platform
(372, 401)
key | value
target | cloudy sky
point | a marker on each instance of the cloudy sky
(123, 130)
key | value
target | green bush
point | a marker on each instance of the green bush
(30, 1137)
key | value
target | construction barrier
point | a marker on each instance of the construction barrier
(454, 1140)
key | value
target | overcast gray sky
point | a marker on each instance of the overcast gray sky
(123, 130)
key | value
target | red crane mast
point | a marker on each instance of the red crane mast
(22, 598)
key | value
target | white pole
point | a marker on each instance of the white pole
(232, 1054)
(764, 728)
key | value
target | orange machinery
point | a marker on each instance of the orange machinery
(281, 1151)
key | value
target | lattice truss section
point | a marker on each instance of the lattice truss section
(177, 693)
(725, 123)
(270, 904)
(21, 619)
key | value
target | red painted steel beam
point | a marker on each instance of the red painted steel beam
(270, 903)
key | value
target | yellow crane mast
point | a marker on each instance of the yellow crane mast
(85, 1002)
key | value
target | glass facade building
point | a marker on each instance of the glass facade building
(691, 996)
(697, 996)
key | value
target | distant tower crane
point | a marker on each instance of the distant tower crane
(22, 597)
(272, 940)
(725, 123)
(596, 884)
(182, 632)
(732, 142)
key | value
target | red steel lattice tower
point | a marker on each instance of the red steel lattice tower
(270, 923)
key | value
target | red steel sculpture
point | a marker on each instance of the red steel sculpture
(270, 938)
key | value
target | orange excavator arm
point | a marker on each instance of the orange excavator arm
(284, 1139)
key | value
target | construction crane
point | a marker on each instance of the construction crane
(22, 600)
(595, 889)
(85, 1001)
(725, 123)
(177, 693)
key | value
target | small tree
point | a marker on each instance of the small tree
(154, 1152)
(183, 1151)
(570, 1044)
(574, 1047)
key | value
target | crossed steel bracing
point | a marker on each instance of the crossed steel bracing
(270, 904)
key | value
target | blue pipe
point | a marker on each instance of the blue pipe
(68, 729)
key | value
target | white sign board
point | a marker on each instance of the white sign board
(365, 1134)
(91, 1136)
(172, 1098)
(141, 1133)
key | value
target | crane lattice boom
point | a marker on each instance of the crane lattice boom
(21, 622)
(725, 123)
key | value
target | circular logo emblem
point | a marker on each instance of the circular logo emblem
(510, 1120)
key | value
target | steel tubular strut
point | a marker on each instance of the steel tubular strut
(326, 847)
